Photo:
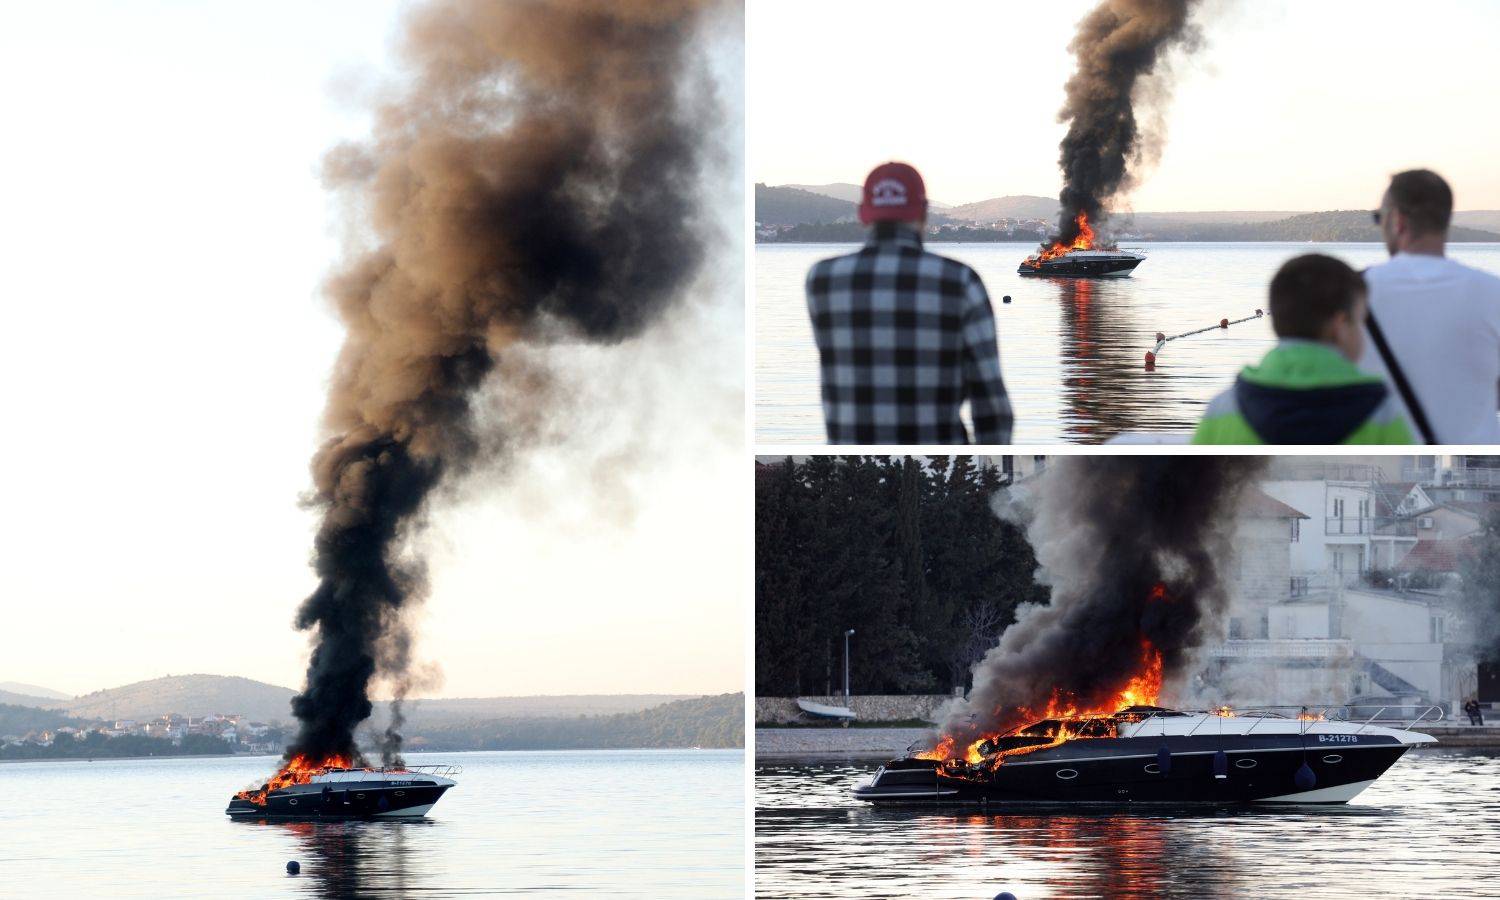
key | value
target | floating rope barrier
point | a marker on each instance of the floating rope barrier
(1162, 339)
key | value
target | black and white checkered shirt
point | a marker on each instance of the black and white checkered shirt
(905, 336)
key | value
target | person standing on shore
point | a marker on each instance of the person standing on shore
(904, 336)
(1434, 325)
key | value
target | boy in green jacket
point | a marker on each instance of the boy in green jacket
(1307, 390)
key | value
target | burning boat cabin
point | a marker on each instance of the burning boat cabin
(1150, 754)
(401, 793)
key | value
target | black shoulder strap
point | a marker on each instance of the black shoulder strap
(1398, 377)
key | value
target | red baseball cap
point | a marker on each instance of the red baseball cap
(894, 192)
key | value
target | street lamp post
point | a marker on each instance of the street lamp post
(846, 665)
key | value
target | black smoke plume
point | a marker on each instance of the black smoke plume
(1107, 531)
(538, 180)
(1118, 45)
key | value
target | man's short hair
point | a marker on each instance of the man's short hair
(1308, 291)
(1425, 198)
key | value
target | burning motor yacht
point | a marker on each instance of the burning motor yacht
(1154, 755)
(338, 791)
(1081, 258)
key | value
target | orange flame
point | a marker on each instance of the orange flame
(1084, 241)
(297, 770)
(1142, 687)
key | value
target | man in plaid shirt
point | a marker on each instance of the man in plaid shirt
(905, 336)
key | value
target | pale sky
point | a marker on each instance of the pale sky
(1292, 104)
(164, 349)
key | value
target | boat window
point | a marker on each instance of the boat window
(401, 793)
(1067, 774)
(292, 802)
(1244, 763)
(359, 796)
(1044, 728)
(1153, 769)
(1333, 758)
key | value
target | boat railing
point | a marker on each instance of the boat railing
(1411, 715)
(442, 771)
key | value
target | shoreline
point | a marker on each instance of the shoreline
(92, 759)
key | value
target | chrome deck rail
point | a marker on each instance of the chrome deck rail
(441, 771)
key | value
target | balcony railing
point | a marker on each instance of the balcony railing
(1473, 476)
(1374, 526)
(1284, 648)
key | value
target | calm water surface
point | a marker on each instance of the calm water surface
(1072, 349)
(1430, 827)
(611, 823)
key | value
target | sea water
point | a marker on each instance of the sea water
(643, 823)
(1072, 350)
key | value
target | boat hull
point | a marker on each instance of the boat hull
(349, 800)
(1114, 267)
(1128, 770)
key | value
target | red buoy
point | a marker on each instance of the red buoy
(1150, 360)
(1160, 337)
(1223, 323)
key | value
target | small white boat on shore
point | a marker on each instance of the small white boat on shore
(826, 712)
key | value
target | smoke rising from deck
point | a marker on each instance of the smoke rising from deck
(1106, 531)
(537, 181)
(1119, 47)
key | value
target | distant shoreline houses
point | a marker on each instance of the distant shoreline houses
(238, 734)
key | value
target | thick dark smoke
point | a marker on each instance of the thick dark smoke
(1107, 530)
(538, 181)
(1118, 46)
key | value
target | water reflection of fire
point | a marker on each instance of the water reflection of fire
(297, 770)
(1063, 717)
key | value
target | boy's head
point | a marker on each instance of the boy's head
(1319, 298)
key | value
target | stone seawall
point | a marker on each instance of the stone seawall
(868, 707)
(832, 744)
(1463, 735)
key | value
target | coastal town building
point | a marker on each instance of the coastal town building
(1346, 586)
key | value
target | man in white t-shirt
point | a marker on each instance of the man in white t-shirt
(1440, 320)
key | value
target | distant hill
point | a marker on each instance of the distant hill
(537, 722)
(716, 721)
(1211, 217)
(190, 695)
(17, 721)
(1334, 226)
(432, 713)
(32, 690)
(1021, 206)
(1330, 227)
(791, 206)
(201, 695)
(29, 700)
(850, 192)
(1483, 219)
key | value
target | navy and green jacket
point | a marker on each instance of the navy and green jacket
(1304, 392)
